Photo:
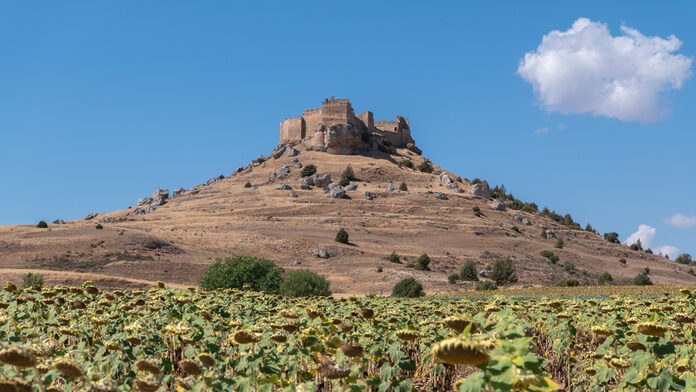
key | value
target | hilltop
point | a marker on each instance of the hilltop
(263, 209)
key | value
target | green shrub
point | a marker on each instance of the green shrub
(486, 285)
(468, 271)
(544, 235)
(622, 261)
(452, 278)
(569, 267)
(649, 251)
(612, 237)
(408, 288)
(30, 279)
(554, 259)
(515, 228)
(642, 279)
(605, 277)
(247, 185)
(403, 187)
(589, 228)
(476, 181)
(347, 176)
(237, 271)
(638, 246)
(42, 225)
(559, 243)
(546, 253)
(379, 269)
(423, 262)
(683, 258)
(426, 167)
(304, 283)
(476, 209)
(568, 283)
(308, 170)
(342, 236)
(503, 271)
(406, 163)
(410, 265)
(394, 258)
(99, 226)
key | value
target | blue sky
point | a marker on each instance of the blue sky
(101, 103)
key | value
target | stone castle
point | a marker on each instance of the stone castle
(335, 128)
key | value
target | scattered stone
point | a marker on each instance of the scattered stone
(542, 226)
(220, 177)
(445, 178)
(322, 181)
(297, 165)
(550, 234)
(284, 171)
(58, 222)
(321, 253)
(211, 181)
(178, 192)
(285, 187)
(106, 219)
(526, 222)
(272, 177)
(336, 191)
(144, 200)
(352, 186)
(369, 195)
(497, 205)
(195, 191)
(441, 196)
(292, 152)
(139, 211)
(278, 152)
(484, 273)
(91, 216)
(306, 186)
(481, 190)
(293, 194)
(297, 262)
(261, 159)
(392, 188)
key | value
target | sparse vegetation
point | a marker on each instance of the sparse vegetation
(379, 269)
(612, 237)
(342, 236)
(408, 288)
(347, 176)
(683, 258)
(406, 163)
(237, 271)
(304, 283)
(515, 229)
(622, 261)
(423, 262)
(637, 246)
(426, 167)
(468, 271)
(549, 255)
(42, 225)
(544, 234)
(30, 279)
(403, 187)
(452, 278)
(503, 271)
(642, 279)
(307, 171)
(394, 258)
(605, 277)
(99, 226)
(247, 185)
(569, 267)
(570, 282)
(559, 243)
(486, 285)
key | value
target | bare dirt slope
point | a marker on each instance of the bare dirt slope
(180, 239)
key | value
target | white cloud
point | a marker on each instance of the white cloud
(540, 131)
(669, 250)
(645, 233)
(681, 221)
(587, 70)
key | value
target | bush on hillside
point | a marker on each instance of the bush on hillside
(503, 271)
(642, 279)
(423, 262)
(569, 267)
(247, 185)
(308, 170)
(546, 253)
(304, 283)
(406, 163)
(612, 237)
(559, 243)
(30, 279)
(605, 277)
(452, 278)
(342, 236)
(347, 176)
(403, 187)
(394, 258)
(683, 258)
(544, 235)
(486, 285)
(99, 226)
(637, 246)
(408, 288)
(622, 261)
(426, 167)
(468, 271)
(235, 272)
(568, 283)
(42, 225)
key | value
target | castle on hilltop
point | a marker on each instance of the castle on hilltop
(337, 115)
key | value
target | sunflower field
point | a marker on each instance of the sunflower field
(161, 339)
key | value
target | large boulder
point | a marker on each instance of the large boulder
(292, 152)
(481, 190)
(285, 187)
(369, 195)
(392, 188)
(497, 205)
(441, 196)
(336, 191)
(278, 152)
(159, 197)
(352, 186)
(178, 192)
(445, 178)
(322, 181)
(321, 253)
(341, 139)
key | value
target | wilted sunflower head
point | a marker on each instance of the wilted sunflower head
(245, 337)
(459, 323)
(651, 329)
(146, 384)
(460, 351)
(352, 350)
(146, 365)
(601, 330)
(407, 334)
(19, 356)
(190, 367)
(206, 359)
(10, 287)
(68, 367)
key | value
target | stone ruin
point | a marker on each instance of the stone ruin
(336, 129)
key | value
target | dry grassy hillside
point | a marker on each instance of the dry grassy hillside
(180, 239)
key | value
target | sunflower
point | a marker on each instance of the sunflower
(651, 329)
(460, 351)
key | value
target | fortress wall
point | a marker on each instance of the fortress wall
(292, 129)
(388, 126)
(367, 119)
(312, 117)
(337, 112)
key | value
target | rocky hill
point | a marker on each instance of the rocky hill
(268, 209)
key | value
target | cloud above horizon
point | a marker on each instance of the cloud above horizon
(681, 221)
(587, 70)
(646, 234)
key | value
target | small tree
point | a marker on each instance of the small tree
(308, 170)
(347, 176)
(503, 271)
(452, 278)
(342, 236)
(394, 258)
(304, 283)
(622, 261)
(99, 226)
(423, 262)
(486, 285)
(468, 271)
(403, 187)
(642, 279)
(569, 267)
(408, 288)
(426, 167)
(546, 253)
(237, 271)
(568, 283)
(42, 225)
(612, 237)
(247, 185)
(406, 163)
(30, 279)
(683, 258)
(559, 243)
(605, 277)
(637, 245)
(544, 235)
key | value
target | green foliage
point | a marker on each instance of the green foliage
(423, 262)
(546, 253)
(642, 279)
(559, 243)
(515, 228)
(568, 283)
(99, 226)
(426, 167)
(247, 185)
(410, 265)
(394, 258)
(612, 237)
(408, 288)
(29, 280)
(304, 283)
(403, 187)
(379, 269)
(308, 170)
(544, 235)
(486, 285)
(475, 181)
(452, 278)
(347, 176)
(237, 271)
(476, 209)
(649, 251)
(683, 258)
(589, 228)
(565, 220)
(569, 267)
(468, 271)
(622, 261)
(503, 271)
(342, 236)
(406, 163)
(638, 246)
(42, 225)
(554, 259)
(604, 277)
